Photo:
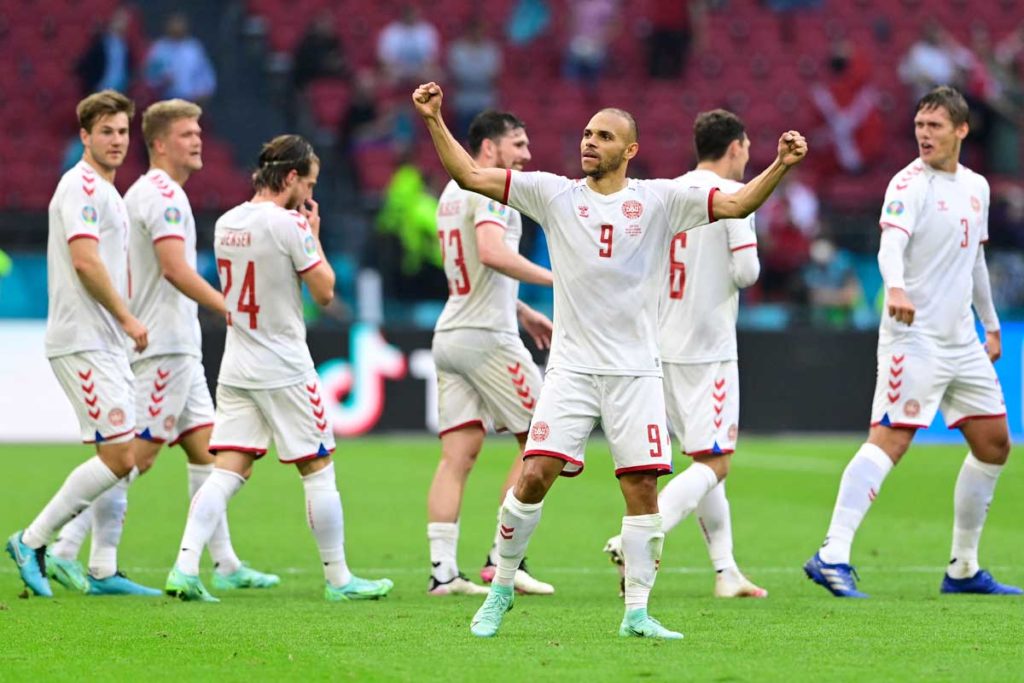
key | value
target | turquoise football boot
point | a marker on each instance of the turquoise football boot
(31, 565)
(244, 577)
(638, 624)
(68, 573)
(359, 589)
(188, 587)
(119, 584)
(487, 619)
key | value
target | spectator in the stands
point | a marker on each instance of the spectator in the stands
(319, 53)
(408, 48)
(178, 66)
(834, 292)
(786, 225)
(592, 26)
(108, 62)
(933, 60)
(474, 61)
(676, 29)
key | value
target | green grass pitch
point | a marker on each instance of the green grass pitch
(781, 491)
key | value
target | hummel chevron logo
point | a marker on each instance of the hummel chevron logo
(506, 532)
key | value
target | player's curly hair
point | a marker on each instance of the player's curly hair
(950, 99)
(281, 156)
(100, 104)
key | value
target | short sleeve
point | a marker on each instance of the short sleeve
(686, 207)
(489, 211)
(299, 242)
(899, 210)
(80, 211)
(164, 214)
(531, 192)
(740, 233)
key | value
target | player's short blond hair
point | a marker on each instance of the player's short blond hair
(159, 116)
(100, 104)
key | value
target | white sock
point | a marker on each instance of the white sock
(225, 561)
(516, 523)
(642, 541)
(444, 542)
(85, 483)
(108, 514)
(861, 482)
(204, 514)
(682, 495)
(716, 526)
(327, 522)
(971, 498)
(72, 535)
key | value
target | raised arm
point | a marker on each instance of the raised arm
(491, 182)
(742, 203)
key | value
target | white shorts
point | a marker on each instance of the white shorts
(100, 386)
(171, 397)
(631, 411)
(485, 378)
(913, 384)
(293, 416)
(703, 402)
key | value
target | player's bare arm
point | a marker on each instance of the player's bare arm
(537, 325)
(171, 255)
(457, 162)
(792, 150)
(320, 278)
(490, 245)
(85, 258)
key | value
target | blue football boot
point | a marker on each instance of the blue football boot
(838, 579)
(981, 583)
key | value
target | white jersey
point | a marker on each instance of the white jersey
(478, 296)
(261, 248)
(159, 210)
(84, 206)
(607, 257)
(700, 302)
(946, 217)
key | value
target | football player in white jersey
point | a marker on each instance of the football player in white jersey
(172, 400)
(88, 286)
(268, 388)
(697, 336)
(485, 375)
(608, 237)
(932, 258)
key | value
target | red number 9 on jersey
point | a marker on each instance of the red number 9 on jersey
(606, 241)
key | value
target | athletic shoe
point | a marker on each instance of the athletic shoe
(614, 549)
(838, 579)
(31, 565)
(244, 577)
(457, 585)
(68, 573)
(188, 587)
(638, 624)
(487, 619)
(523, 581)
(359, 589)
(981, 583)
(118, 584)
(730, 583)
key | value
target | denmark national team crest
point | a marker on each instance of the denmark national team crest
(976, 204)
(116, 417)
(895, 208)
(911, 408)
(172, 215)
(540, 431)
(633, 209)
(89, 214)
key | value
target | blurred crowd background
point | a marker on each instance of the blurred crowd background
(845, 72)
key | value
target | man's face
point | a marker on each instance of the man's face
(938, 140)
(606, 145)
(182, 143)
(512, 150)
(107, 142)
(302, 188)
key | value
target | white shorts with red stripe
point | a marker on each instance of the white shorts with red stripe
(293, 416)
(172, 398)
(914, 383)
(485, 378)
(100, 386)
(703, 403)
(631, 411)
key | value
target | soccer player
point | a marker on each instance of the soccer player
(608, 236)
(697, 337)
(268, 388)
(87, 284)
(485, 375)
(934, 225)
(172, 400)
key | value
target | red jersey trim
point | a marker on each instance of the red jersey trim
(711, 205)
(188, 431)
(508, 184)
(169, 237)
(500, 225)
(113, 436)
(658, 469)
(710, 451)
(310, 267)
(463, 425)
(975, 417)
(560, 456)
(307, 458)
(151, 439)
(745, 246)
(899, 425)
(257, 452)
(883, 225)
(82, 235)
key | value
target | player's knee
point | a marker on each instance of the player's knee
(996, 450)
(532, 486)
(119, 458)
(719, 464)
